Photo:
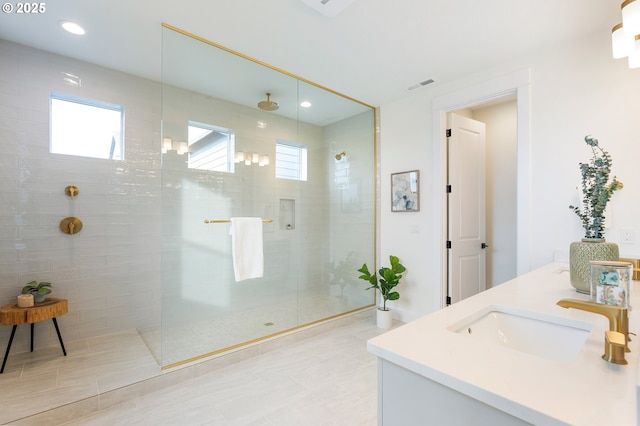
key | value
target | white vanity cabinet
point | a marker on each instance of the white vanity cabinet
(409, 399)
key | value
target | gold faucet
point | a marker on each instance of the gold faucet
(617, 338)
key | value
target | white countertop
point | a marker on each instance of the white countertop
(584, 391)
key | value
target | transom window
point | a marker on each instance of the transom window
(291, 160)
(210, 147)
(86, 128)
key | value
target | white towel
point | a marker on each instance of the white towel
(246, 247)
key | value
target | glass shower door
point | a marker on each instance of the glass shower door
(225, 156)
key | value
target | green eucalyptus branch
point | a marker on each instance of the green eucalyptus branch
(596, 190)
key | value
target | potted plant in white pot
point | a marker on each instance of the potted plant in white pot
(38, 289)
(389, 278)
(597, 189)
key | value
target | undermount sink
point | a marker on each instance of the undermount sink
(547, 336)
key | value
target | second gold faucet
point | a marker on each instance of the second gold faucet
(616, 341)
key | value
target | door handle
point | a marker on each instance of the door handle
(484, 245)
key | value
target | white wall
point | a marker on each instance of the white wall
(576, 89)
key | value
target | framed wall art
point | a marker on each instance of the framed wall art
(405, 191)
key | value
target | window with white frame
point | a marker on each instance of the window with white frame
(86, 128)
(291, 160)
(210, 147)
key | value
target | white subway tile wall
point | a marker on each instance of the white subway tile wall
(110, 271)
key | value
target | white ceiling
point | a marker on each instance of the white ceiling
(373, 50)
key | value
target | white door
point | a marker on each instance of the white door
(466, 208)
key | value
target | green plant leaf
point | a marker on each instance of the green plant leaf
(364, 269)
(42, 288)
(388, 279)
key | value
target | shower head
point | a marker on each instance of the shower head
(268, 105)
(340, 155)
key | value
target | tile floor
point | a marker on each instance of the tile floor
(321, 377)
(91, 367)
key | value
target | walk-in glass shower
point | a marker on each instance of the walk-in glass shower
(238, 141)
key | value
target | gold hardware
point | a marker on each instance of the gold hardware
(71, 225)
(614, 347)
(636, 267)
(229, 220)
(618, 323)
(71, 191)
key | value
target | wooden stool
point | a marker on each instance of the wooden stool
(51, 308)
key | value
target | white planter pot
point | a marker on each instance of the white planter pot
(384, 319)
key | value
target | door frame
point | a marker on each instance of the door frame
(517, 83)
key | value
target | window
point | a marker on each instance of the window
(86, 128)
(210, 147)
(291, 160)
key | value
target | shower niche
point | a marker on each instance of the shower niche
(287, 215)
(224, 155)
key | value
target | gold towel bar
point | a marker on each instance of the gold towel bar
(229, 221)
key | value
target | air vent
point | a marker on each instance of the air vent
(329, 8)
(421, 84)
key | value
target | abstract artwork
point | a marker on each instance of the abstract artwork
(405, 191)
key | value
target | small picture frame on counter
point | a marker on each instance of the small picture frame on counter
(611, 282)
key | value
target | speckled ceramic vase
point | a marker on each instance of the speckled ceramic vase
(581, 252)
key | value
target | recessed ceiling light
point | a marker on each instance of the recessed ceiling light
(305, 104)
(72, 27)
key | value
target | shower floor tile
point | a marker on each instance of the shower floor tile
(33, 382)
(192, 339)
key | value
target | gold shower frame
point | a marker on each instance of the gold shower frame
(375, 212)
